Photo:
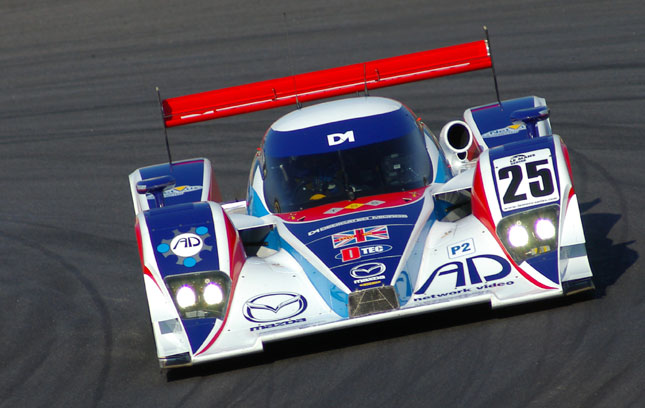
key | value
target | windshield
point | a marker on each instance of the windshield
(296, 183)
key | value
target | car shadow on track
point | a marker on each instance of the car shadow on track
(381, 331)
(608, 260)
(339, 339)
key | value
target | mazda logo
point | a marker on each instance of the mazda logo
(367, 270)
(271, 307)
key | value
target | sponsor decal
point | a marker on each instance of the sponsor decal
(372, 283)
(187, 246)
(338, 138)
(520, 158)
(349, 254)
(354, 206)
(372, 280)
(354, 253)
(464, 292)
(509, 130)
(278, 324)
(461, 248)
(375, 203)
(496, 268)
(176, 191)
(354, 220)
(368, 272)
(360, 235)
(273, 307)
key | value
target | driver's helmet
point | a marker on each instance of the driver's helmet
(316, 176)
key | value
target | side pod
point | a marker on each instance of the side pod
(191, 256)
(523, 194)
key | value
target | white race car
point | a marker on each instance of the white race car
(356, 212)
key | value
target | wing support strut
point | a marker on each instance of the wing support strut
(492, 67)
(164, 130)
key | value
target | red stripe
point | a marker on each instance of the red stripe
(473, 151)
(479, 203)
(237, 255)
(137, 230)
(146, 271)
(214, 194)
(492, 105)
(322, 212)
(565, 152)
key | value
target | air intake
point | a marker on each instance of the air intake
(371, 301)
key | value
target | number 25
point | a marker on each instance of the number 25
(537, 188)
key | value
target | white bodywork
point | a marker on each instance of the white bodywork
(274, 298)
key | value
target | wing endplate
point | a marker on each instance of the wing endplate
(326, 83)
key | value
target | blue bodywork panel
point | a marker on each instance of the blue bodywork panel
(183, 226)
(362, 249)
(366, 131)
(495, 125)
(184, 241)
(189, 177)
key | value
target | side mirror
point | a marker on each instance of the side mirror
(530, 117)
(156, 187)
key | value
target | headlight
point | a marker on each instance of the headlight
(213, 294)
(201, 294)
(517, 235)
(544, 229)
(185, 297)
(530, 233)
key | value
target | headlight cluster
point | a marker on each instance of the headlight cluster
(530, 233)
(201, 294)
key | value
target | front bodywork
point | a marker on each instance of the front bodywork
(487, 216)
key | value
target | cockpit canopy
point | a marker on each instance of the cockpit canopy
(312, 158)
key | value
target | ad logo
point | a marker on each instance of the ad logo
(469, 272)
(271, 307)
(338, 138)
(186, 245)
(367, 270)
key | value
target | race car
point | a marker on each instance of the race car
(355, 212)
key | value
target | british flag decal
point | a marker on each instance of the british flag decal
(359, 235)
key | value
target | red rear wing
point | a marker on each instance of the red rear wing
(326, 83)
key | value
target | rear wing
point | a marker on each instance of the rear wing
(326, 83)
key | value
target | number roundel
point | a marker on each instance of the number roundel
(525, 180)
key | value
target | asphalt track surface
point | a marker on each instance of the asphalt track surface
(78, 113)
